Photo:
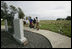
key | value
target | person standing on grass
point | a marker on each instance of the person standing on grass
(37, 23)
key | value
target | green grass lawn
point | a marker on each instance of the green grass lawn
(55, 26)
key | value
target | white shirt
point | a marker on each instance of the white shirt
(27, 21)
(37, 20)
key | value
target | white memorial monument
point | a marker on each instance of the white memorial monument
(19, 31)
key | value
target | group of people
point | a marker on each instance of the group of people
(32, 23)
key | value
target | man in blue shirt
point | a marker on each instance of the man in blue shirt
(30, 19)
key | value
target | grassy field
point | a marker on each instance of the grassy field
(60, 26)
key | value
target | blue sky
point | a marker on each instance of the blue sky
(45, 10)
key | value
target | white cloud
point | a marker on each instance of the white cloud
(44, 9)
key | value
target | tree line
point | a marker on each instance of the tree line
(10, 11)
(67, 18)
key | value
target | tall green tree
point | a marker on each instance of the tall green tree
(13, 10)
(12, 13)
(4, 10)
(8, 13)
(21, 14)
(68, 18)
(2, 13)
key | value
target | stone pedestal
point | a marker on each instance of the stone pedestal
(19, 32)
(6, 25)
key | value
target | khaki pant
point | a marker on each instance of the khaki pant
(37, 25)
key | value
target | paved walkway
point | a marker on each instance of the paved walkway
(57, 40)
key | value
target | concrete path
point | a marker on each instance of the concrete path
(57, 40)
